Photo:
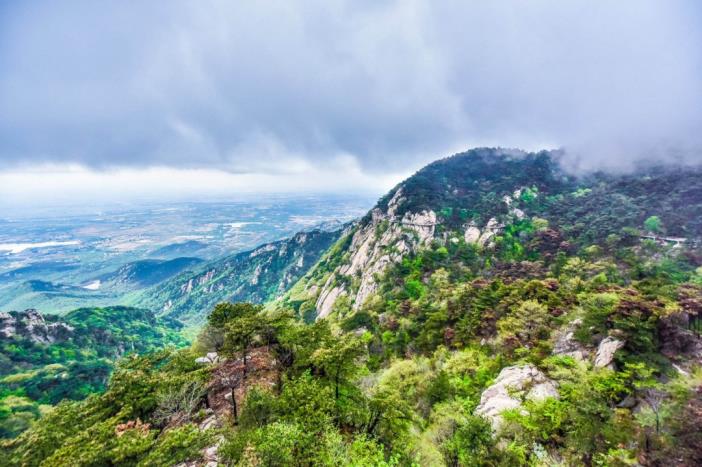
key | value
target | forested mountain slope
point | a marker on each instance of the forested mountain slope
(519, 206)
(145, 273)
(256, 276)
(491, 310)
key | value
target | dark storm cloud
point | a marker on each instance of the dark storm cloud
(249, 86)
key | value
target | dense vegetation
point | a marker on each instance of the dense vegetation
(256, 276)
(50, 359)
(574, 267)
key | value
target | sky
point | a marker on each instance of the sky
(130, 99)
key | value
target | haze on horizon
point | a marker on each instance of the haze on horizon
(115, 100)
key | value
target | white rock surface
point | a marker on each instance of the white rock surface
(208, 359)
(30, 324)
(326, 300)
(375, 246)
(518, 213)
(491, 229)
(7, 325)
(566, 344)
(513, 386)
(605, 352)
(423, 223)
(472, 234)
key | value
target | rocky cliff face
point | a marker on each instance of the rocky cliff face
(388, 236)
(31, 325)
(383, 240)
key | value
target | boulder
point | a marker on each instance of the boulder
(472, 234)
(7, 325)
(30, 324)
(492, 228)
(209, 359)
(605, 352)
(513, 386)
(566, 344)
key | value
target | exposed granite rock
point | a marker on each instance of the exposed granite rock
(374, 246)
(7, 325)
(472, 234)
(491, 229)
(209, 456)
(565, 343)
(328, 297)
(30, 324)
(605, 352)
(513, 386)
(210, 358)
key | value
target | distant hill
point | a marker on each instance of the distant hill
(104, 290)
(145, 273)
(37, 270)
(187, 248)
(50, 297)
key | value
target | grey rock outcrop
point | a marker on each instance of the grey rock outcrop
(208, 359)
(604, 357)
(328, 297)
(30, 324)
(472, 234)
(513, 386)
(566, 344)
(7, 325)
(374, 246)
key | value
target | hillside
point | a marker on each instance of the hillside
(255, 276)
(175, 250)
(490, 310)
(520, 206)
(46, 359)
(145, 273)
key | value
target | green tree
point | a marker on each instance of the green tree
(525, 326)
(225, 312)
(339, 359)
(471, 444)
(653, 224)
(240, 334)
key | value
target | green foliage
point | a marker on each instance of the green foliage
(653, 224)
(115, 426)
(524, 327)
(414, 289)
(177, 445)
(397, 380)
(471, 444)
(226, 312)
(77, 363)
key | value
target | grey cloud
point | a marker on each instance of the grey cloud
(254, 86)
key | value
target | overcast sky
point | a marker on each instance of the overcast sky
(126, 98)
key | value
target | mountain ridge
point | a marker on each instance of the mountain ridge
(443, 199)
